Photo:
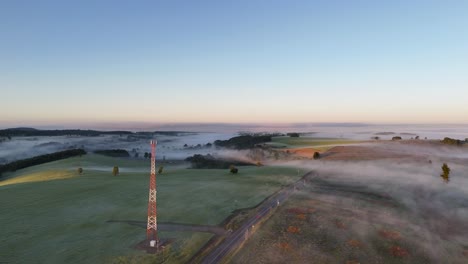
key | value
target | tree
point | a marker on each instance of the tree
(445, 173)
(417, 137)
(160, 170)
(115, 170)
(396, 138)
(452, 141)
(146, 155)
(80, 171)
(316, 155)
(136, 155)
(233, 169)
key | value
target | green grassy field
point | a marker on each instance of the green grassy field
(50, 214)
(300, 142)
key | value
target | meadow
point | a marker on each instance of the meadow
(51, 214)
(321, 144)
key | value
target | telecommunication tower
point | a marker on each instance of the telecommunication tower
(152, 227)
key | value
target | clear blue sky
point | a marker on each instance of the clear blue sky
(233, 61)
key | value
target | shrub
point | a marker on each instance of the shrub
(80, 171)
(445, 172)
(316, 155)
(115, 170)
(233, 169)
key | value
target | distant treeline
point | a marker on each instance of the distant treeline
(113, 152)
(209, 162)
(173, 133)
(32, 132)
(243, 142)
(24, 163)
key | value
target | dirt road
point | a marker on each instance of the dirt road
(237, 237)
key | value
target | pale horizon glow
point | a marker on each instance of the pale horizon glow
(85, 62)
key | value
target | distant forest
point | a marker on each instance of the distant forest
(24, 163)
(243, 142)
(32, 132)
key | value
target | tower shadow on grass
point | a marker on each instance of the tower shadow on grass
(176, 227)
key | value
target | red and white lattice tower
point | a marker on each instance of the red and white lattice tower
(152, 227)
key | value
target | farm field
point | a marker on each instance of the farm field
(348, 222)
(51, 214)
(321, 144)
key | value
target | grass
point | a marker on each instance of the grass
(39, 176)
(50, 214)
(292, 142)
(346, 227)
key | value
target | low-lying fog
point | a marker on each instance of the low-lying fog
(172, 147)
(434, 210)
(438, 211)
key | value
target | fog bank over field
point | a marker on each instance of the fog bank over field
(173, 146)
(337, 130)
(345, 130)
(170, 147)
(435, 211)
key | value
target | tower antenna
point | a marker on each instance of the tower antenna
(152, 227)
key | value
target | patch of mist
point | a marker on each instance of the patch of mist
(170, 147)
(438, 209)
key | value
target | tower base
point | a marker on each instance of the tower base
(153, 247)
